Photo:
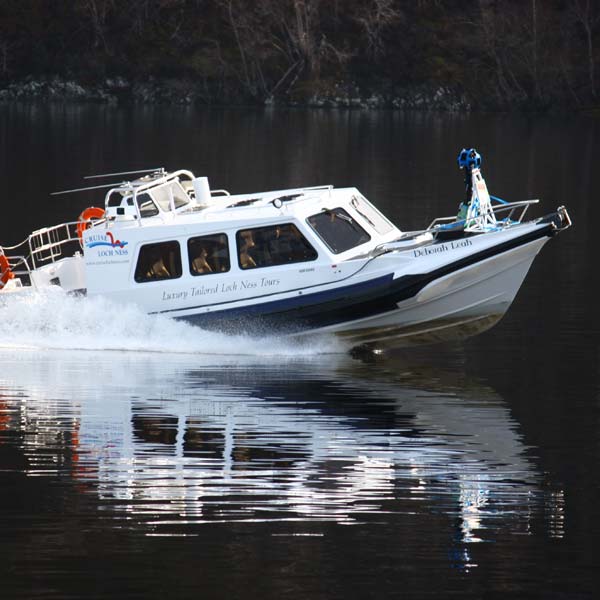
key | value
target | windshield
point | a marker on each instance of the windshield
(162, 195)
(338, 230)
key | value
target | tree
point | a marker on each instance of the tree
(587, 14)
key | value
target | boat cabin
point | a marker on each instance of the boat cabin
(167, 237)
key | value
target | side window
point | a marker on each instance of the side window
(273, 245)
(115, 199)
(208, 254)
(338, 230)
(157, 262)
(146, 205)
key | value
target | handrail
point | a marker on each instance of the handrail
(139, 185)
(46, 244)
(497, 208)
(15, 261)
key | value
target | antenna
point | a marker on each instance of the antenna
(160, 170)
(83, 189)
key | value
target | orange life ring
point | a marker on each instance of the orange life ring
(92, 212)
(5, 271)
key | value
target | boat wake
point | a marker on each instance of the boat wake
(52, 319)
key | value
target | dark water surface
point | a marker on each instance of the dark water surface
(142, 458)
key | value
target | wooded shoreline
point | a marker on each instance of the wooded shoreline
(185, 92)
(537, 55)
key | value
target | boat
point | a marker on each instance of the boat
(300, 261)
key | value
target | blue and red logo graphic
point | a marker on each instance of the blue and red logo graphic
(100, 240)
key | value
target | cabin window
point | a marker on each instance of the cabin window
(146, 205)
(115, 199)
(162, 195)
(371, 215)
(272, 246)
(208, 254)
(338, 230)
(157, 262)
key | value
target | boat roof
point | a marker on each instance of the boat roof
(221, 206)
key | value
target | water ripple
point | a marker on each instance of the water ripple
(172, 442)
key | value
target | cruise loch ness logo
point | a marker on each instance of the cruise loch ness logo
(104, 239)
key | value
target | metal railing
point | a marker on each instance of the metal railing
(49, 243)
(20, 267)
(511, 208)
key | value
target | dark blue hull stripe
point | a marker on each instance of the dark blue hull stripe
(298, 312)
(348, 303)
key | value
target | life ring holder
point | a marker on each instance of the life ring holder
(84, 221)
(5, 271)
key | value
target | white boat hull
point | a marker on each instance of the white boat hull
(456, 306)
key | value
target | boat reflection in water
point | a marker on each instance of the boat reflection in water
(172, 445)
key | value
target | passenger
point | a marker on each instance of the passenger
(288, 245)
(157, 270)
(247, 243)
(260, 251)
(200, 264)
(299, 246)
(220, 256)
(279, 247)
